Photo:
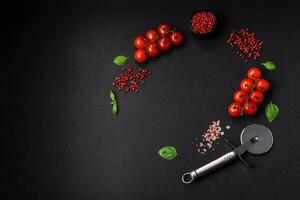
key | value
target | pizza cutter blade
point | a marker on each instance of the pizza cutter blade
(256, 139)
(265, 138)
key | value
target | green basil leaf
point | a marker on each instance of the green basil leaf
(271, 111)
(115, 108)
(112, 96)
(269, 65)
(168, 152)
(120, 60)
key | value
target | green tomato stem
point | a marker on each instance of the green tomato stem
(159, 36)
(247, 100)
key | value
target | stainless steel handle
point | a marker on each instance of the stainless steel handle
(193, 175)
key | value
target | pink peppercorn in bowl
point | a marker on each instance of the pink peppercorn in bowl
(203, 23)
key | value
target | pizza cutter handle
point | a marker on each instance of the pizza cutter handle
(195, 174)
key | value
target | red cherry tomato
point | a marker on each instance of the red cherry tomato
(240, 96)
(140, 55)
(163, 29)
(164, 44)
(247, 84)
(139, 42)
(151, 35)
(152, 49)
(235, 109)
(176, 38)
(254, 73)
(250, 108)
(263, 85)
(257, 97)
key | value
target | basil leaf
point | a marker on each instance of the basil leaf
(115, 108)
(120, 60)
(168, 152)
(113, 102)
(271, 111)
(269, 65)
(112, 96)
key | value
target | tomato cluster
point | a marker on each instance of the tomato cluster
(156, 41)
(250, 94)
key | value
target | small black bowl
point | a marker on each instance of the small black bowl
(199, 34)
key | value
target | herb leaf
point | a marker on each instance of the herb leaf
(113, 102)
(114, 108)
(168, 152)
(269, 65)
(271, 111)
(120, 60)
(112, 96)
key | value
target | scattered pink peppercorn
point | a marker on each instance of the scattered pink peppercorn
(246, 44)
(130, 79)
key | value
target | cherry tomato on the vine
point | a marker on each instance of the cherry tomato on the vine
(139, 42)
(247, 84)
(152, 49)
(163, 29)
(250, 108)
(140, 55)
(164, 44)
(257, 97)
(151, 35)
(176, 38)
(235, 109)
(240, 96)
(254, 73)
(263, 85)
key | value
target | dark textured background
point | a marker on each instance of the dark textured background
(63, 142)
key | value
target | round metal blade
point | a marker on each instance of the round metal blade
(265, 138)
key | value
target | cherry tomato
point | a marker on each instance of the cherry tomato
(247, 84)
(139, 42)
(257, 97)
(164, 44)
(152, 49)
(235, 109)
(250, 108)
(176, 38)
(151, 35)
(240, 96)
(140, 55)
(163, 29)
(254, 73)
(263, 85)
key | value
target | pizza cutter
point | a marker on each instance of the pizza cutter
(256, 139)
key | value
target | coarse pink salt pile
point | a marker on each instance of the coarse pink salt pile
(209, 138)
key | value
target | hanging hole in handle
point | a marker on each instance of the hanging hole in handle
(187, 178)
